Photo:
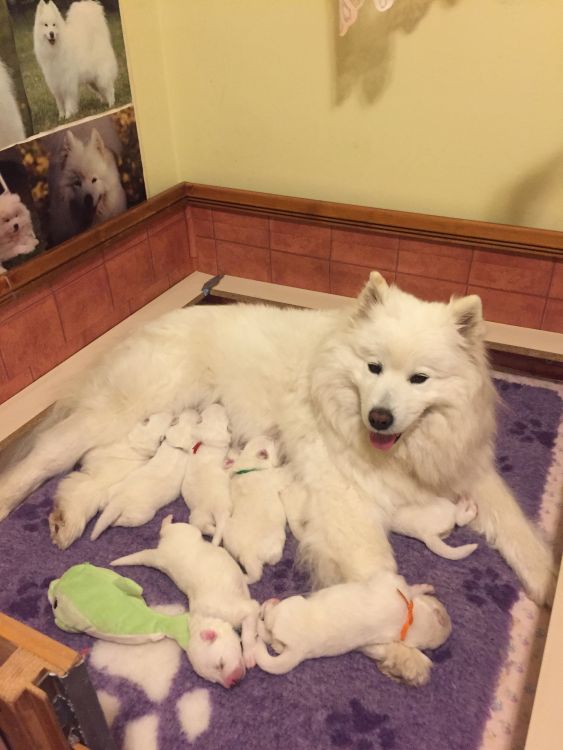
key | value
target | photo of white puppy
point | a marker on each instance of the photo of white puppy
(73, 52)
(349, 617)
(255, 532)
(11, 124)
(16, 228)
(206, 574)
(85, 185)
(431, 522)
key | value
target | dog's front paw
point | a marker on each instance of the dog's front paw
(405, 664)
(539, 575)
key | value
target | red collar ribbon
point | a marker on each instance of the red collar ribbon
(196, 447)
(410, 616)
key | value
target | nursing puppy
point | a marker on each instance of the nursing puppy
(349, 617)
(81, 494)
(205, 487)
(255, 532)
(136, 499)
(386, 399)
(207, 575)
(430, 523)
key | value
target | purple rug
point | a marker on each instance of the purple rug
(342, 702)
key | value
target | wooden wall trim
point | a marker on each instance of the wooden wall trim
(501, 237)
(508, 238)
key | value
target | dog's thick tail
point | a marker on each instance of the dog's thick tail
(439, 547)
(146, 557)
(280, 664)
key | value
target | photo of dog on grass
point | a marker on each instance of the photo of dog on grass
(72, 58)
(15, 119)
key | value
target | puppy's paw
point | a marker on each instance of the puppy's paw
(249, 657)
(405, 664)
(422, 588)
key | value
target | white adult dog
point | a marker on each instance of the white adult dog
(11, 125)
(74, 51)
(386, 402)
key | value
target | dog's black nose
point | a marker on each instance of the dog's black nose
(380, 419)
(16, 227)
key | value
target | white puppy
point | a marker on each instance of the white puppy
(208, 576)
(205, 486)
(16, 228)
(349, 617)
(81, 494)
(214, 650)
(74, 52)
(255, 532)
(11, 125)
(435, 520)
(135, 500)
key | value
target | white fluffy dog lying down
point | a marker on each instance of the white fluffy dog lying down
(382, 403)
(207, 575)
(430, 523)
(255, 532)
(81, 494)
(349, 617)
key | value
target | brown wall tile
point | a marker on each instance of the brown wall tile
(76, 269)
(83, 302)
(300, 238)
(170, 249)
(556, 288)
(243, 260)
(122, 246)
(348, 280)
(30, 337)
(368, 250)
(246, 221)
(510, 307)
(432, 290)
(553, 316)
(148, 294)
(244, 234)
(131, 272)
(21, 300)
(446, 262)
(206, 255)
(301, 272)
(157, 225)
(511, 273)
(203, 214)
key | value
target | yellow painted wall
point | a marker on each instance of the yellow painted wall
(450, 107)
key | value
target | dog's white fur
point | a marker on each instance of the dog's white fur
(207, 575)
(81, 494)
(16, 228)
(74, 52)
(205, 487)
(349, 617)
(86, 185)
(430, 523)
(214, 650)
(255, 532)
(306, 371)
(136, 499)
(11, 125)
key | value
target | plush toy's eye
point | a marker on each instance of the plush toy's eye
(55, 603)
(375, 367)
(418, 378)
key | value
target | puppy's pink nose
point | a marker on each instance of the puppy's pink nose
(235, 676)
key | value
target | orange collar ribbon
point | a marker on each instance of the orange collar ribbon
(410, 616)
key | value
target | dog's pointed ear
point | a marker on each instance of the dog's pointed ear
(373, 293)
(69, 142)
(468, 316)
(97, 141)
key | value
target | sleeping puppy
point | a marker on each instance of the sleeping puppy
(348, 617)
(205, 487)
(136, 499)
(255, 532)
(433, 521)
(207, 575)
(81, 494)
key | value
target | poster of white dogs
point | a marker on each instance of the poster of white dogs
(64, 80)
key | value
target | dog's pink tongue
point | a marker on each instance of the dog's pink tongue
(382, 442)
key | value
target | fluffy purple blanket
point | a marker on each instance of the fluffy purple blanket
(341, 702)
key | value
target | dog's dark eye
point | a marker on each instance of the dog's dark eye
(94, 179)
(375, 367)
(77, 183)
(418, 378)
(221, 665)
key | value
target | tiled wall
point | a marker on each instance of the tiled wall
(44, 326)
(522, 291)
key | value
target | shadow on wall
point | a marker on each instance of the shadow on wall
(363, 57)
(536, 199)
